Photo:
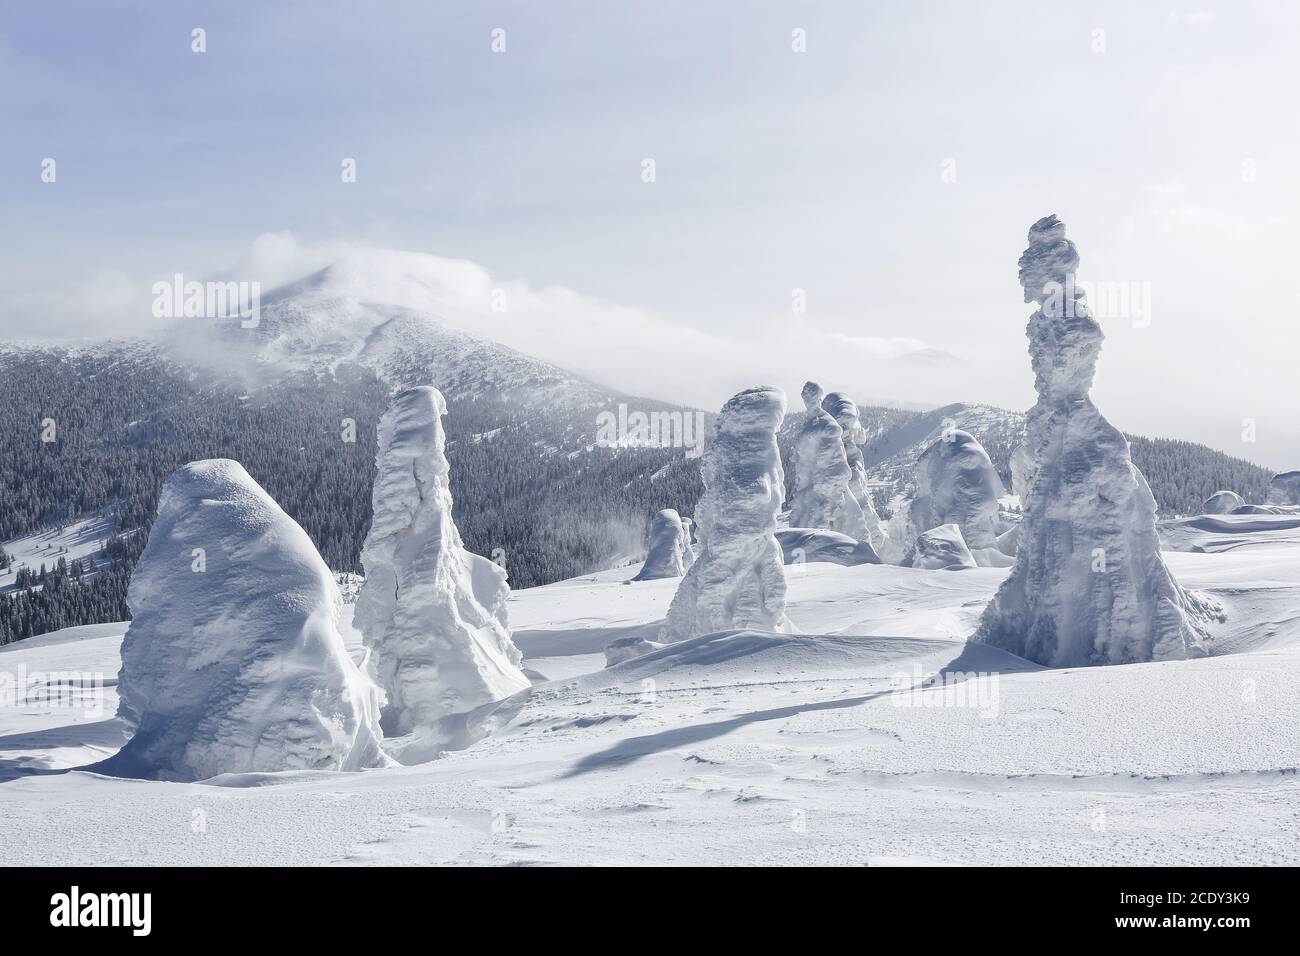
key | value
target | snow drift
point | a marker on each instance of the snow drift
(737, 580)
(1089, 585)
(234, 661)
(432, 613)
(1222, 503)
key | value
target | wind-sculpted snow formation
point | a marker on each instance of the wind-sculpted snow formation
(823, 497)
(1284, 489)
(1089, 585)
(942, 547)
(956, 483)
(432, 614)
(234, 661)
(1222, 503)
(737, 580)
(666, 555)
(845, 412)
(813, 545)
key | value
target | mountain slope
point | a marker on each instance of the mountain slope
(296, 399)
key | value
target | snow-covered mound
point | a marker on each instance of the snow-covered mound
(942, 547)
(1284, 489)
(956, 484)
(667, 554)
(432, 613)
(1089, 585)
(802, 545)
(822, 495)
(738, 579)
(234, 661)
(1222, 503)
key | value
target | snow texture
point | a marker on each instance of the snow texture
(1222, 503)
(432, 614)
(1022, 471)
(942, 547)
(666, 555)
(1089, 585)
(1284, 489)
(956, 483)
(738, 578)
(234, 661)
(845, 412)
(823, 497)
(688, 541)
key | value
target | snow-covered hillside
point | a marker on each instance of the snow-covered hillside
(388, 313)
(749, 748)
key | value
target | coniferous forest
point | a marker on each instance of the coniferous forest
(531, 491)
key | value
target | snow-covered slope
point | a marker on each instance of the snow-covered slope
(387, 313)
(758, 749)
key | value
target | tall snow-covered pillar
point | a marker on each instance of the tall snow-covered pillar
(1089, 585)
(666, 547)
(738, 578)
(845, 411)
(432, 614)
(822, 496)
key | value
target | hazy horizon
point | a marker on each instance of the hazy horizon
(880, 165)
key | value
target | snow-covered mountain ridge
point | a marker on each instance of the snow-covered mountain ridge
(296, 399)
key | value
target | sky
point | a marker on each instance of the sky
(841, 189)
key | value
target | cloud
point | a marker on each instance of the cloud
(1172, 209)
(625, 347)
(1198, 18)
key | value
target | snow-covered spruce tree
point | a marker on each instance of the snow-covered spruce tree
(738, 578)
(1284, 489)
(845, 412)
(432, 614)
(956, 483)
(666, 547)
(1089, 585)
(822, 497)
(234, 661)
